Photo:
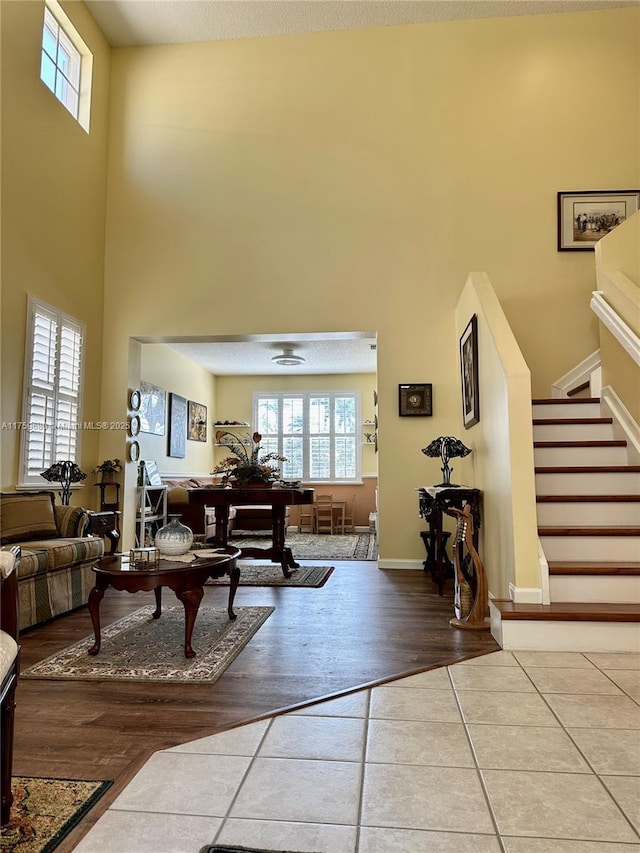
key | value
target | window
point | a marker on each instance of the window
(316, 431)
(66, 63)
(52, 395)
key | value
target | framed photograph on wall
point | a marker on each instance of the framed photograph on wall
(177, 444)
(584, 217)
(152, 408)
(469, 373)
(415, 400)
(197, 422)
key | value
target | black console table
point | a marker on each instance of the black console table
(434, 501)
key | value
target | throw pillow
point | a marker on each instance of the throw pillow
(27, 515)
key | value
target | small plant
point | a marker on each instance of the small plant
(109, 466)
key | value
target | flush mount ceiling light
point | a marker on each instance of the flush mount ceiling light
(287, 357)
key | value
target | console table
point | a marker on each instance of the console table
(277, 499)
(434, 501)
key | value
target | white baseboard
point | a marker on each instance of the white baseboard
(624, 424)
(525, 595)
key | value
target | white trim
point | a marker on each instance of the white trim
(622, 417)
(525, 595)
(623, 333)
(580, 374)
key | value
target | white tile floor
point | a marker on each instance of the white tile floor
(523, 752)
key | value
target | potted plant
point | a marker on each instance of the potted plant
(108, 469)
(247, 466)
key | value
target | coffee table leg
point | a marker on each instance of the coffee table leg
(191, 600)
(95, 597)
(158, 593)
(234, 580)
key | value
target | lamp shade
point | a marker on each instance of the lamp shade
(65, 473)
(446, 447)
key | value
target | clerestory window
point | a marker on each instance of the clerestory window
(316, 431)
(50, 428)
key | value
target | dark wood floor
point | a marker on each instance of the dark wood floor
(365, 625)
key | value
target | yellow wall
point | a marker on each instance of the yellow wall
(53, 215)
(620, 372)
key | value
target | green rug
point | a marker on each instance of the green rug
(318, 546)
(140, 648)
(44, 811)
(254, 573)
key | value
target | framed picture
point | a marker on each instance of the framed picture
(469, 373)
(177, 426)
(585, 217)
(152, 408)
(151, 474)
(197, 421)
(415, 400)
(134, 451)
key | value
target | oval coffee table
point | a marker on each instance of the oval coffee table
(185, 579)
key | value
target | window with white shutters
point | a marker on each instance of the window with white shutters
(52, 395)
(316, 431)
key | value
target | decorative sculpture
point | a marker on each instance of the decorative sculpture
(471, 590)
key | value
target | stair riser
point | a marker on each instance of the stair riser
(567, 636)
(618, 589)
(591, 548)
(588, 514)
(572, 432)
(609, 483)
(566, 410)
(580, 456)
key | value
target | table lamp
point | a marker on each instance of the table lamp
(446, 447)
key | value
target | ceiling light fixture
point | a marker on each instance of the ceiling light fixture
(288, 358)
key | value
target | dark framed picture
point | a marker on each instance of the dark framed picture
(469, 373)
(415, 400)
(152, 408)
(584, 217)
(177, 444)
(197, 422)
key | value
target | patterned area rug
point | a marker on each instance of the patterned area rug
(254, 573)
(45, 810)
(319, 546)
(140, 648)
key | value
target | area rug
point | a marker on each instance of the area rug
(140, 648)
(315, 546)
(257, 574)
(44, 811)
(224, 848)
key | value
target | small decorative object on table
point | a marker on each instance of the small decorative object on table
(446, 447)
(174, 538)
(247, 465)
(65, 473)
(144, 558)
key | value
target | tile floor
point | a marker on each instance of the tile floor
(523, 752)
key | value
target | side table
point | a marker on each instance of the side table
(434, 501)
(105, 524)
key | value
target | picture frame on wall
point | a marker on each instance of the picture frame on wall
(586, 216)
(415, 400)
(469, 373)
(177, 443)
(197, 421)
(151, 474)
(152, 408)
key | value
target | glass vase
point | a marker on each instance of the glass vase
(174, 538)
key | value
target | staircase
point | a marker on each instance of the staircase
(588, 507)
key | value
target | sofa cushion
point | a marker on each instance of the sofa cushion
(46, 555)
(27, 516)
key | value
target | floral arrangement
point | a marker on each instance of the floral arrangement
(111, 466)
(247, 463)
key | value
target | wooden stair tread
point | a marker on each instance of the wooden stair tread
(588, 530)
(587, 498)
(561, 567)
(553, 421)
(564, 401)
(592, 443)
(588, 469)
(568, 611)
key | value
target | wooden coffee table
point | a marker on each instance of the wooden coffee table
(185, 579)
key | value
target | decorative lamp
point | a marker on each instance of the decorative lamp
(65, 473)
(446, 447)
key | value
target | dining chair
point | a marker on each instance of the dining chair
(324, 513)
(348, 525)
(306, 518)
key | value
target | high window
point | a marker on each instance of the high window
(52, 390)
(65, 63)
(316, 431)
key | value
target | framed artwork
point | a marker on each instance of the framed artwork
(197, 421)
(134, 400)
(134, 451)
(177, 426)
(152, 408)
(151, 474)
(415, 400)
(586, 216)
(469, 373)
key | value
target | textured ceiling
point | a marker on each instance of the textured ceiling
(127, 23)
